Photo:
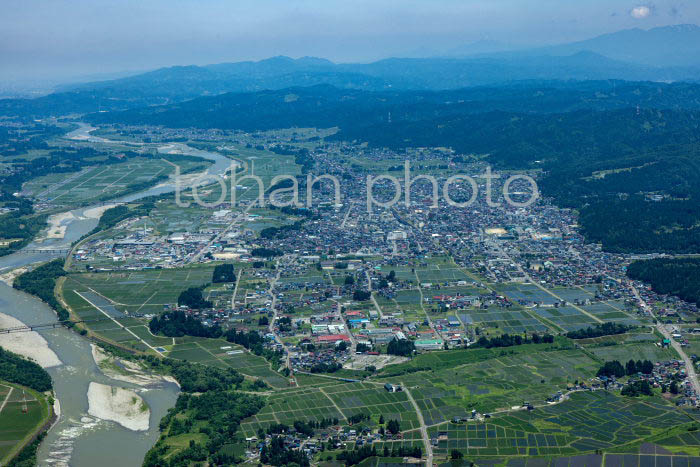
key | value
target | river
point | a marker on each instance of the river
(79, 439)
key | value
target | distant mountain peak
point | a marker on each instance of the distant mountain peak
(665, 46)
(678, 28)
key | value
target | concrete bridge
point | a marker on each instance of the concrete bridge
(57, 324)
(49, 251)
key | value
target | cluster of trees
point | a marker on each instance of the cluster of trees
(384, 281)
(20, 225)
(393, 426)
(253, 341)
(217, 409)
(509, 340)
(637, 388)
(27, 456)
(615, 368)
(223, 273)
(605, 329)
(195, 377)
(275, 232)
(357, 455)
(326, 367)
(303, 427)
(222, 410)
(277, 454)
(645, 367)
(17, 369)
(249, 339)
(679, 277)
(41, 282)
(402, 347)
(266, 252)
(357, 418)
(178, 324)
(361, 295)
(192, 297)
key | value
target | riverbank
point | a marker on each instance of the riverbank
(28, 344)
(119, 405)
(126, 371)
(10, 276)
(57, 228)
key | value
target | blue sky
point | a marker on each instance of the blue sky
(67, 38)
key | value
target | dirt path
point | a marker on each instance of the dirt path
(120, 324)
(7, 398)
(689, 367)
(334, 404)
(423, 427)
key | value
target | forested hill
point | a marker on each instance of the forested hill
(355, 110)
(679, 277)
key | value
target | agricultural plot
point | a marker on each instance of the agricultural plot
(140, 291)
(571, 294)
(612, 311)
(589, 421)
(440, 275)
(146, 292)
(261, 163)
(16, 424)
(497, 383)
(223, 354)
(103, 182)
(526, 293)
(566, 317)
(289, 406)
(374, 400)
(633, 350)
(508, 321)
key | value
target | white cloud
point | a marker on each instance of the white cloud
(640, 12)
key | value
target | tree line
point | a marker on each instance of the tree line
(19, 370)
(41, 282)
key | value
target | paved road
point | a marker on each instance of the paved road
(689, 365)
(423, 427)
(544, 289)
(371, 295)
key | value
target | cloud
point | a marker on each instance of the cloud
(640, 12)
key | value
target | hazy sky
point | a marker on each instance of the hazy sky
(67, 38)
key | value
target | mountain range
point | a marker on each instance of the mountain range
(665, 54)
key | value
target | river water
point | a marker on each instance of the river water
(79, 439)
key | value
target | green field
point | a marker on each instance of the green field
(102, 182)
(589, 421)
(16, 425)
